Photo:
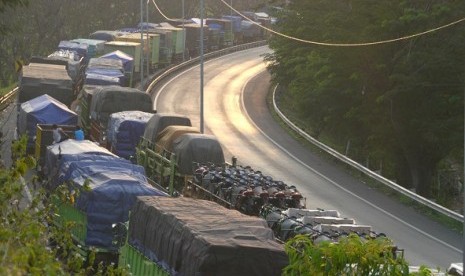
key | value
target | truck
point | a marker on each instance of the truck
(225, 28)
(151, 42)
(37, 79)
(133, 49)
(174, 167)
(185, 236)
(97, 103)
(128, 64)
(103, 188)
(42, 110)
(111, 69)
(124, 131)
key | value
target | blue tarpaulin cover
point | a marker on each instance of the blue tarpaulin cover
(63, 173)
(127, 60)
(76, 168)
(104, 67)
(70, 150)
(97, 79)
(80, 48)
(125, 130)
(43, 110)
(112, 185)
(106, 72)
(95, 46)
(113, 190)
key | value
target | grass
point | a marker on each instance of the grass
(436, 216)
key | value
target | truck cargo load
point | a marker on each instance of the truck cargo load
(166, 137)
(94, 46)
(80, 49)
(73, 62)
(39, 78)
(125, 130)
(42, 110)
(131, 48)
(44, 138)
(193, 148)
(70, 150)
(160, 121)
(115, 99)
(197, 237)
(102, 79)
(107, 191)
(105, 63)
(106, 67)
(105, 35)
(127, 60)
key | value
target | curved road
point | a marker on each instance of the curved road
(235, 88)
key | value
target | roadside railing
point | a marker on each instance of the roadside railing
(158, 79)
(426, 202)
(6, 99)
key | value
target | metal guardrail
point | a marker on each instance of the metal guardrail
(6, 99)
(366, 171)
(158, 79)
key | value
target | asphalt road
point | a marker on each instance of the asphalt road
(235, 112)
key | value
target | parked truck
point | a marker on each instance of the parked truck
(97, 103)
(184, 236)
(174, 167)
(37, 79)
(42, 110)
(102, 189)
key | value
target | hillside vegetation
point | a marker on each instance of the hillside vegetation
(36, 27)
(396, 107)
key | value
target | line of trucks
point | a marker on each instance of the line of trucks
(152, 193)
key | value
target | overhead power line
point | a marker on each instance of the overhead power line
(162, 14)
(345, 44)
(327, 43)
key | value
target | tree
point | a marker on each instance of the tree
(351, 255)
(23, 238)
(4, 4)
(400, 102)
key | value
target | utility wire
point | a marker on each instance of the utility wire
(325, 43)
(345, 44)
(162, 14)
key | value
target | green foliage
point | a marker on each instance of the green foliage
(30, 243)
(11, 4)
(23, 236)
(398, 103)
(350, 256)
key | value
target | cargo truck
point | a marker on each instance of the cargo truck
(102, 188)
(184, 236)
